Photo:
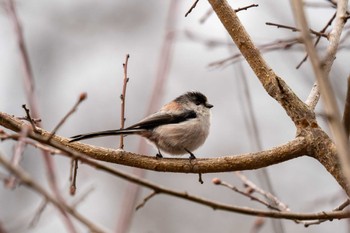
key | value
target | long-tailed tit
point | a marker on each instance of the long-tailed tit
(179, 127)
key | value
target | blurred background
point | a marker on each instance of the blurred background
(80, 46)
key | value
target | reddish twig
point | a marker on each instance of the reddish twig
(11, 181)
(81, 98)
(73, 176)
(122, 98)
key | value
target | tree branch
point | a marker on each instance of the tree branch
(274, 85)
(290, 150)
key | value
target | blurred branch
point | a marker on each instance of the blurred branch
(11, 181)
(29, 182)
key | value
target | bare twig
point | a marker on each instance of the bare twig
(148, 197)
(11, 181)
(264, 48)
(273, 199)
(340, 207)
(74, 163)
(73, 176)
(81, 98)
(191, 8)
(317, 40)
(294, 29)
(123, 98)
(28, 117)
(246, 7)
(217, 181)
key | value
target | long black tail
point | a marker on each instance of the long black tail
(105, 133)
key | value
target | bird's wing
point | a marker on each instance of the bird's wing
(163, 118)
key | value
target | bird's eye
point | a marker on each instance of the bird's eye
(197, 102)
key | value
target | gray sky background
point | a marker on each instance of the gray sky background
(80, 46)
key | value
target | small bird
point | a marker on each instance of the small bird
(179, 127)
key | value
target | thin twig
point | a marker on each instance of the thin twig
(73, 176)
(123, 98)
(11, 181)
(294, 29)
(192, 7)
(317, 39)
(28, 117)
(246, 7)
(152, 194)
(272, 199)
(339, 208)
(264, 48)
(81, 98)
(217, 181)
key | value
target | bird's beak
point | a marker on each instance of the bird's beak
(208, 105)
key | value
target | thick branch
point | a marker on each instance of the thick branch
(274, 85)
(293, 149)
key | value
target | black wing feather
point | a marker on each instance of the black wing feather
(164, 118)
